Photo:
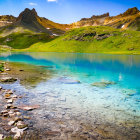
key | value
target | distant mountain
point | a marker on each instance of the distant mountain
(29, 20)
(127, 20)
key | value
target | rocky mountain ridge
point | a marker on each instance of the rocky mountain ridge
(29, 19)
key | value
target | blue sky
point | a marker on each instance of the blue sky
(67, 11)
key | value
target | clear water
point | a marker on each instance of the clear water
(116, 103)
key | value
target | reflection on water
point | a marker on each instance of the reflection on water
(62, 96)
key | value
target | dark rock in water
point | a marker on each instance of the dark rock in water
(103, 84)
(8, 79)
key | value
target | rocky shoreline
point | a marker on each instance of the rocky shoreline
(20, 121)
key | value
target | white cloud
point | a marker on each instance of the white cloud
(52, 0)
(32, 4)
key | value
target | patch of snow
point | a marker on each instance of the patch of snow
(55, 35)
(122, 26)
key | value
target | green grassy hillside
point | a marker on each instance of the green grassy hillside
(23, 40)
(99, 39)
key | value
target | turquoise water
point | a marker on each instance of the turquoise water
(115, 103)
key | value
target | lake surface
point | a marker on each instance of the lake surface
(63, 96)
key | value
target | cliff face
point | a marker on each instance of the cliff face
(93, 21)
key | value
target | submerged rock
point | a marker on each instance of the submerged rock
(68, 81)
(21, 125)
(28, 108)
(103, 84)
(8, 79)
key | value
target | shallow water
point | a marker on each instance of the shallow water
(62, 96)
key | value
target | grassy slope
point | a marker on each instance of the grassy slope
(23, 40)
(120, 41)
(1, 67)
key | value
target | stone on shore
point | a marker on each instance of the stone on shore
(1, 136)
(19, 132)
(11, 123)
(21, 125)
(10, 101)
(7, 69)
(8, 79)
(7, 96)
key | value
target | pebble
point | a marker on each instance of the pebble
(18, 132)
(21, 125)
(1, 136)
(14, 96)
(7, 96)
(8, 106)
(18, 113)
(11, 123)
(10, 101)
(26, 117)
(17, 119)
(8, 79)
(8, 69)
(9, 92)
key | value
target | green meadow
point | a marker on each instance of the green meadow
(98, 39)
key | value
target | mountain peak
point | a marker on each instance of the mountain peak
(27, 16)
(131, 11)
